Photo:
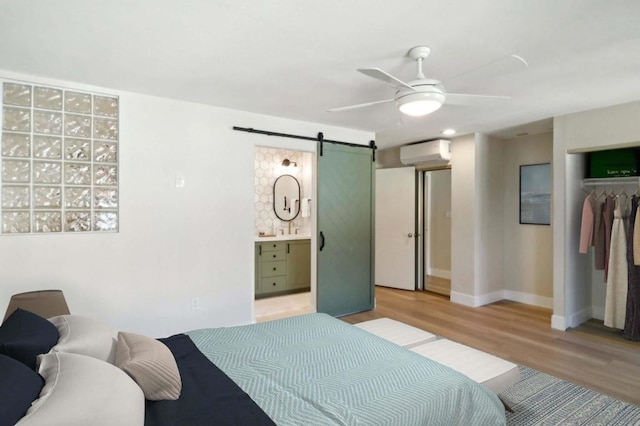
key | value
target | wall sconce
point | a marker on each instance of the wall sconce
(287, 163)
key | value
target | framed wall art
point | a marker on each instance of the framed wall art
(535, 194)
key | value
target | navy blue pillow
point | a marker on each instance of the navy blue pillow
(25, 335)
(19, 387)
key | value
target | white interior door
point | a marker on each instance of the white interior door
(395, 228)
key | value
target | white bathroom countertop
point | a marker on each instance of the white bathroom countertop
(284, 237)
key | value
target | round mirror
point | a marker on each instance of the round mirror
(286, 197)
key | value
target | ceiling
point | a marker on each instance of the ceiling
(296, 59)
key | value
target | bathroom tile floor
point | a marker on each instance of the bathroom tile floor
(282, 306)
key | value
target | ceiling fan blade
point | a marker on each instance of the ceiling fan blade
(468, 99)
(345, 108)
(378, 74)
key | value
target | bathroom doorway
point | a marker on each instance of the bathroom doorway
(283, 188)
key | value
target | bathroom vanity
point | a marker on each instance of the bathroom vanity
(282, 265)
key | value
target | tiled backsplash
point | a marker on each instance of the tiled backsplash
(268, 167)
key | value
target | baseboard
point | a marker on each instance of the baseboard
(580, 317)
(516, 296)
(462, 299)
(485, 299)
(529, 299)
(440, 273)
(558, 322)
(475, 301)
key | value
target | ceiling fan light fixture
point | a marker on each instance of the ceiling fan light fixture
(420, 104)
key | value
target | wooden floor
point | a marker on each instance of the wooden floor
(589, 356)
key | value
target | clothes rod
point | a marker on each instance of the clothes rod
(630, 180)
(306, 138)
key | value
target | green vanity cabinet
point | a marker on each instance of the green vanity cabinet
(271, 267)
(282, 267)
(299, 264)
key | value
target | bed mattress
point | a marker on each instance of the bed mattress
(495, 373)
(314, 369)
(397, 332)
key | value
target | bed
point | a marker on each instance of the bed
(310, 370)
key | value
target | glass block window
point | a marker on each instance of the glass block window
(59, 160)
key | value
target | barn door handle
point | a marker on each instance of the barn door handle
(321, 240)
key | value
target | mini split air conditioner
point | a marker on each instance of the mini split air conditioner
(437, 152)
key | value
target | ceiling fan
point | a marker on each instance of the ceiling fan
(423, 95)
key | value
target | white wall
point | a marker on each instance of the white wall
(440, 223)
(388, 158)
(477, 275)
(528, 258)
(604, 128)
(174, 244)
(489, 228)
(493, 257)
(463, 217)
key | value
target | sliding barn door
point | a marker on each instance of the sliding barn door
(345, 230)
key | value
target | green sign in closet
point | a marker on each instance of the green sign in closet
(345, 230)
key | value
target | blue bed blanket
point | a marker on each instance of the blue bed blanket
(317, 370)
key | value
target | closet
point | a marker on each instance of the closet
(610, 237)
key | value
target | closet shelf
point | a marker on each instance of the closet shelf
(631, 180)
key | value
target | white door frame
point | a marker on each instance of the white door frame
(427, 225)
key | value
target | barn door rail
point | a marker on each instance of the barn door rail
(319, 138)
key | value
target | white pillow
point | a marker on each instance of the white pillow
(80, 390)
(85, 336)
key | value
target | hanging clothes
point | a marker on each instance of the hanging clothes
(618, 273)
(607, 220)
(598, 238)
(636, 240)
(588, 223)
(632, 320)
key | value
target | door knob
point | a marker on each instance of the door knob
(410, 235)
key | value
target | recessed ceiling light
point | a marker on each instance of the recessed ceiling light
(449, 132)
